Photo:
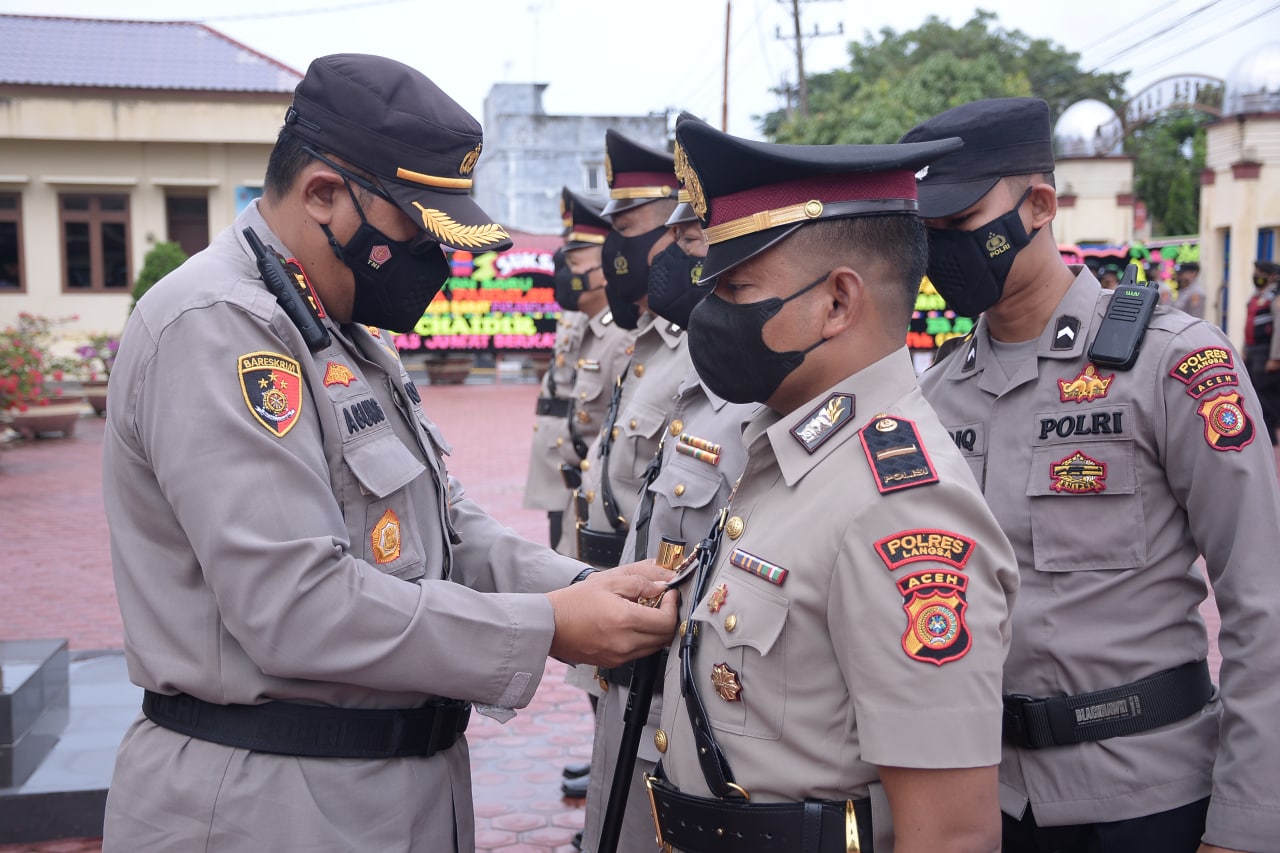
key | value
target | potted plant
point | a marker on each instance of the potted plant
(97, 357)
(31, 396)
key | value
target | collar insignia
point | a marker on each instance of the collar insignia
(1086, 387)
(1065, 331)
(824, 421)
(971, 355)
(338, 374)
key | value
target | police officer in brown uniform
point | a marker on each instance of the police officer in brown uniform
(1262, 344)
(837, 681)
(295, 568)
(687, 482)
(567, 414)
(642, 195)
(1109, 479)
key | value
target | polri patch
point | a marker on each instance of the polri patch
(898, 458)
(1226, 424)
(761, 568)
(914, 546)
(338, 374)
(1213, 380)
(824, 421)
(1078, 474)
(935, 603)
(272, 388)
(1086, 387)
(1206, 358)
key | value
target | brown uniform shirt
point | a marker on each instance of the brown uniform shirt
(1169, 464)
(844, 627)
(283, 527)
(544, 488)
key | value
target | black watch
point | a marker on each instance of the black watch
(582, 575)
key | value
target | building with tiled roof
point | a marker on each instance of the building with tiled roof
(116, 135)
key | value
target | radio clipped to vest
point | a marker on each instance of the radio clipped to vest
(292, 291)
(1120, 335)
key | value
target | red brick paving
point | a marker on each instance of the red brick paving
(56, 575)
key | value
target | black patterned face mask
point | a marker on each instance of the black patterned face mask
(673, 285)
(969, 268)
(626, 273)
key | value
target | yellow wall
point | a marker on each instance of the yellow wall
(143, 147)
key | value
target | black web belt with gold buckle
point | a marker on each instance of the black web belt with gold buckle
(314, 731)
(1149, 703)
(704, 825)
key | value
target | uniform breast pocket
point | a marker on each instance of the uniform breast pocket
(380, 505)
(1086, 508)
(643, 423)
(742, 662)
(686, 483)
(587, 390)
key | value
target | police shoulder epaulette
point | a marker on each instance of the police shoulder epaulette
(896, 454)
(949, 346)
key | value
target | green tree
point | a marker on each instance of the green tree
(1169, 157)
(896, 80)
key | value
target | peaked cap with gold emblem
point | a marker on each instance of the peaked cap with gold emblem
(586, 227)
(752, 195)
(684, 211)
(636, 174)
(389, 119)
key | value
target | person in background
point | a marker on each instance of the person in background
(1261, 345)
(1191, 296)
(1110, 481)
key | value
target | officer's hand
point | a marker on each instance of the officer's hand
(599, 622)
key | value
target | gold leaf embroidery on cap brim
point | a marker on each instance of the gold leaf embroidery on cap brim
(450, 232)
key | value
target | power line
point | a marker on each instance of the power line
(298, 13)
(1177, 23)
(1246, 22)
(1126, 31)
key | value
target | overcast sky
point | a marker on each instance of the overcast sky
(606, 57)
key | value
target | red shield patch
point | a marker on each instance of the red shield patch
(1078, 474)
(935, 604)
(1226, 424)
(272, 387)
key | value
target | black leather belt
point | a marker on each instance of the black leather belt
(314, 731)
(1146, 704)
(703, 825)
(556, 407)
(616, 676)
(603, 550)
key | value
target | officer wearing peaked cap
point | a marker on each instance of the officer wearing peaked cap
(642, 190)
(855, 569)
(1110, 477)
(569, 410)
(295, 567)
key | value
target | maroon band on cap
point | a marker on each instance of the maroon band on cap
(829, 189)
(629, 180)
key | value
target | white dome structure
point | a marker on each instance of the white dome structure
(1253, 86)
(1088, 128)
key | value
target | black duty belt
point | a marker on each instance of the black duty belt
(556, 407)
(703, 825)
(1147, 704)
(603, 550)
(616, 676)
(314, 731)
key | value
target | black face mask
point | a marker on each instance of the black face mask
(969, 268)
(726, 343)
(626, 273)
(395, 279)
(570, 286)
(673, 285)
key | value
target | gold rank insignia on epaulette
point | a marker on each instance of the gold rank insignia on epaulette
(897, 456)
(699, 448)
(824, 421)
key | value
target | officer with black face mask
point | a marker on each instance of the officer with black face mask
(589, 353)
(855, 568)
(642, 195)
(1110, 481)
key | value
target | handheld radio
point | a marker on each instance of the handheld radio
(286, 292)
(1120, 335)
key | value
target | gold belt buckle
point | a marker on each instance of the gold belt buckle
(663, 846)
(852, 841)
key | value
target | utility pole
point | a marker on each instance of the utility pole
(724, 97)
(799, 38)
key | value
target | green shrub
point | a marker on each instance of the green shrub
(163, 259)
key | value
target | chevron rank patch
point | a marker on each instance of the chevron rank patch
(1065, 331)
(824, 421)
(1226, 424)
(272, 388)
(935, 603)
(1203, 359)
(898, 458)
(914, 546)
